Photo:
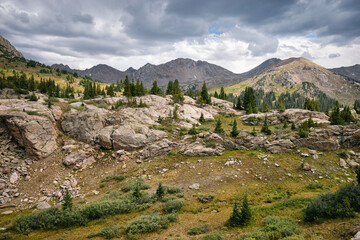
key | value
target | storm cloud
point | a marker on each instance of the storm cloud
(234, 34)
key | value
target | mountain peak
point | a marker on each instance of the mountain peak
(9, 48)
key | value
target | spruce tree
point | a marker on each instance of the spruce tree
(160, 191)
(265, 128)
(234, 132)
(285, 124)
(170, 88)
(239, 103)
(335, 117)
(356, 108)
(202, 119)
(175, 114)
(293, 127)
(246, 214)
(127, 87)
(216, 95)
(346, 115)
(136, 193)
(67, 201)
(222, 94)
(281, 106)
(249, 101)
(204, 95)
(218, 128)
(235, 218)
(155, 89)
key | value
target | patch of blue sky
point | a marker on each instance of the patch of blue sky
(311, 35)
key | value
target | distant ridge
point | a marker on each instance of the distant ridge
(6, 45)
(352, 72)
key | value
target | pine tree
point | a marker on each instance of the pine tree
(235, 218)
(67, 201)
(335, 117)
(249, 101)
(239, 104)
(293, 127)
(176, 92)
(246, 214)
(265, 128)
(202, 119)
(267, 107)
(204, 95)
(175, 114)
(281, 106)
(216, 95)
(155, 89)
(234, 132)
(127, 87)
(285, 124)
(160, 191)
(218, 128)
(222, 94)
(170, 88)
(346, 115)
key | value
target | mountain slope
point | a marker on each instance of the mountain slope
(352, 72)
(262, 67)
(290, 75)
(5, 46)
(187, 71)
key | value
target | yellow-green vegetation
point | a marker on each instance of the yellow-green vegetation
(278, 191)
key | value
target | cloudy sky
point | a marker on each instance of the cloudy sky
(235, 34)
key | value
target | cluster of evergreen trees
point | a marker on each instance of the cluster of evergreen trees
(22, 85)
(131, 89)
(338, 117)
(173, 88)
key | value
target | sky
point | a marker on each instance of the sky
(235, 34)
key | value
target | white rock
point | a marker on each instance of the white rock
(194, 186)
(43, 205)
(14, 177)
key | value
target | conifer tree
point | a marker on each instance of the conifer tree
(265, 128)
(281, 106)
(249, 101)
(204, 95)
(356, 108)
(285, 124)
(67, 201)
(202, 119)
(127, 87)
(238, 103)
(293, 127)
(246, 214)
(218, 128)
(235, 218)
(346, 115)
(222, 94)
(155, 89)
(160, 191)
(335, 117)
(136, 193)
(170, 88)
(234, 132)
(216, 95)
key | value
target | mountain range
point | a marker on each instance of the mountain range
(274, 74)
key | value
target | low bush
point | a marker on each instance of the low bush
(53, 218)
(206, 198)
(314, 186)
(199, 229)
(107, 232)
(213, 236)
(173, 206)
(130, 186)
(116, 177)
(274, 228)
(5, 236)
(146, 224)
(172, 189)
(341, 204)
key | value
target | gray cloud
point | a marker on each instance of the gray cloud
(126, 28)
(334, 55)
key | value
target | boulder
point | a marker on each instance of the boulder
(43, 205)
(342, 163)
(279, 146)
(104, 137)
(79, 160)
(14, 177)
(197, 149)
(251, 142)
(156, 149)
(125, 138)
(35, 133)
(194, 186)
(84, 125)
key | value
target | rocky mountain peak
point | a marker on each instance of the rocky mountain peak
(9, 48)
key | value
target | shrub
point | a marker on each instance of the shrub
(173, 206)
(130, 186)
(193, 131)
(275, 228)
(34, 113)
(110, 232)
(53, 218)
(205, 198)
(314, 186)
(172, 189)
(213, 236)
(116, 177)
(145, 224)
(5, 236)
(199, 229)
(343, 203)
(265, 128)
(160, 191)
